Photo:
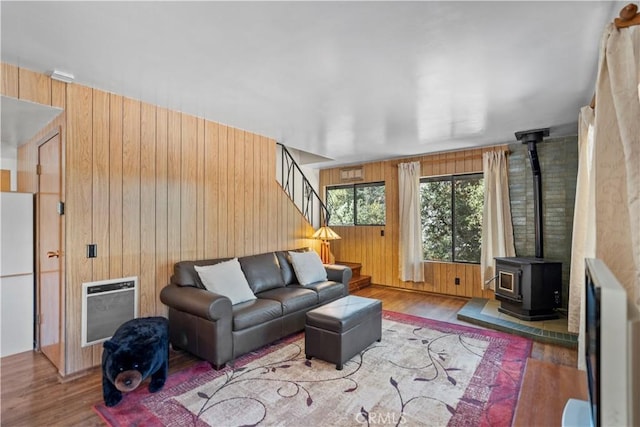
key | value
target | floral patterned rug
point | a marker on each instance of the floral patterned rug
(423, 372)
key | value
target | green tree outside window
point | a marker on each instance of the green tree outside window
(451, 210)
(357, 204)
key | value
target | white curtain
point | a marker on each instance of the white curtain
(497, 229)
(613, 201)
(584, 226)
(411, 268)
(617, 156)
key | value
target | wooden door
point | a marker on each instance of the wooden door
(49, 256)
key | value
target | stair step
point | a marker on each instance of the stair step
(354, 266)
(359, 282)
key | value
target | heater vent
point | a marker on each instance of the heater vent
(106, 305)
(351, 174)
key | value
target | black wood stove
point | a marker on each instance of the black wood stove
(530, 288)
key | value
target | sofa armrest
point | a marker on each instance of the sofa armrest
(199, 302)
(338, 273)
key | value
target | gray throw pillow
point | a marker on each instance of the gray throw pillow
(226, 278)
(308, 267)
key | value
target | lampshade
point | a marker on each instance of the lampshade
(325, 233)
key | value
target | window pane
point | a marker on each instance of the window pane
(370, 204)
(469, 200)
(340, 205)
(436, 219)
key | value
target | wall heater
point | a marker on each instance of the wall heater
(106, 305)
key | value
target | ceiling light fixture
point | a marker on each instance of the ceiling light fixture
(62, 76)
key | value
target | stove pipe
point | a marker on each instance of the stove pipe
(531, 138)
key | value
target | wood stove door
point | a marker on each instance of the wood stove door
(509, 283)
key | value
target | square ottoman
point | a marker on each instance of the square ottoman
(337, 331)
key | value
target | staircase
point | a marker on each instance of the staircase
(299, 189)
(358, 281)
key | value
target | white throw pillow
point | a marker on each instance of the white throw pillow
(226, 278)
(308, 267)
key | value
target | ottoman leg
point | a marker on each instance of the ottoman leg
(339, 366)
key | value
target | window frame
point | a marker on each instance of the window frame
(452, 179)
(353, 187)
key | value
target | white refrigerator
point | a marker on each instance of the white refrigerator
(16, 273)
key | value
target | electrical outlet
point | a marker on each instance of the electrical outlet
(457, 281)
(92, 250)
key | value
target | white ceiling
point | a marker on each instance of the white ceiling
(351, 81)
(21, 120)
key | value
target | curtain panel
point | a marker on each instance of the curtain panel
(607, 214)
(584, 221)
(584, 227)
(497, 229)
(410, 247)
(617, 156)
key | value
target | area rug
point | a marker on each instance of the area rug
(423, 372)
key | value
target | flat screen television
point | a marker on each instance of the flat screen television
(612, 354)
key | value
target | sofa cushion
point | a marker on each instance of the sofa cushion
(308, 267)
(288, 275)
(327, 290)
(262, 272)
(226, 278)
(286, 268)
(292, 298)
(184, 273)
(255, 312)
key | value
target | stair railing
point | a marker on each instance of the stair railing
(306, 198)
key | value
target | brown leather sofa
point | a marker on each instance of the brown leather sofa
(208, 326)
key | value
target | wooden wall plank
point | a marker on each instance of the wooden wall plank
(188, 191)
(115, 186)
(211, 189)
(79, 165)
(224, 196)
(100, 184)
(163, 267)
(34, 87)
(200, 189)
(239, 192)
(27, 181)
(9, 79)
(131, 187)
(100, 192)
(274, 187)
(232, 186)
(468, 280)
(148, 296)
(249, 195)
(174, 162)
(477, 160)
(263, 189)
(58, 94)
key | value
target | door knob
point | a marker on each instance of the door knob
(53, 254)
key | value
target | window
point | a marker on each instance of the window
(451, 210)
(357, 204)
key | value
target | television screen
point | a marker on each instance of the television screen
(592, 345)
(611, 350)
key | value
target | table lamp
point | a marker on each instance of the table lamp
(325, 234)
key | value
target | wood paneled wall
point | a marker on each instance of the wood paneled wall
(378, 254)
(151, 187)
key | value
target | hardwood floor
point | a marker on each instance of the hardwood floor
(32, 395)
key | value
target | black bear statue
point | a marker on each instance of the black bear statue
(138, 349)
